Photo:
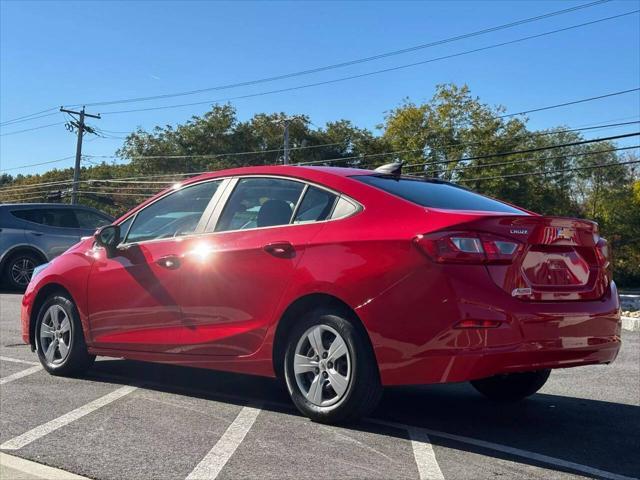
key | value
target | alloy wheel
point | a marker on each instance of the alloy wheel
(21, 271)
(322, 365)
(56, 333)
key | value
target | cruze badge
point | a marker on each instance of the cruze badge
(518, 231)
(518, 292)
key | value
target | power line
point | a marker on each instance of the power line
(352, 62)
(547, 172)
(535, 149)
(376, 72)
(570, 103)
(20, 200)
(517, 162)
(38, 164)
(31, 116)
(411, 150)
(216, 155)
(30, 129)
(114, 193)
(63, 182)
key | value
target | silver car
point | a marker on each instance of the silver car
(33, 233)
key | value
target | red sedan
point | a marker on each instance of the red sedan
(340, 281)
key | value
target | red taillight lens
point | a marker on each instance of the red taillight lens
(468, 247)
(602, 253)
(478, 324)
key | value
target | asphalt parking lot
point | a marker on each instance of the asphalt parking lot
(134, 420)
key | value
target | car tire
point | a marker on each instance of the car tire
(513, 386)
(330, 368)
(17, 266)
(59, 338)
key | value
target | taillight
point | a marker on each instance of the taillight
(602, 253)
(468, 247)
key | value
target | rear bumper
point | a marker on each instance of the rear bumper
(422, 346)
(462, 366)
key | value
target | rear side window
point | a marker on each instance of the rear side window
(260, 202)
(316, 205)
(52, 217)
(34, 216)
(436, 194)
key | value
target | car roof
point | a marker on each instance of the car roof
(312, 173)
(33, 206)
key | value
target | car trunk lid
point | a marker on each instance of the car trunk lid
(561, 259)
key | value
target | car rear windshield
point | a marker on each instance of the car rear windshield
(436, 194)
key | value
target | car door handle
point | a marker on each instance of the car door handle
(280, 249)
(37, 234)
(170, 262)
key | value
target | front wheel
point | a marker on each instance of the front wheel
(512, 387)
(59, 338)
(330, 369)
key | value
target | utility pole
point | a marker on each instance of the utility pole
(287, 121)
(81, 127)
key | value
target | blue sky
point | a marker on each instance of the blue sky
(61, 53)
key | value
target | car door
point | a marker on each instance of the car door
(133, 293)
(238, 272)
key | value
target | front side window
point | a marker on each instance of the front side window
(260, 202)
(90, 220)
(175, 215)
(60, 217)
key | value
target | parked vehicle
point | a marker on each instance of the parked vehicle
(339, 281)
(33, 233)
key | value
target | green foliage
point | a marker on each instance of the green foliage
(453, 136)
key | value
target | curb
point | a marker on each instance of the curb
(629, 323)
(16, 467)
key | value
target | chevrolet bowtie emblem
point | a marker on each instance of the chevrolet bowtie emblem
(564, 233)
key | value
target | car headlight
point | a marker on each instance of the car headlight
(38, 269)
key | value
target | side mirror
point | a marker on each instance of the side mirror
(108, 237)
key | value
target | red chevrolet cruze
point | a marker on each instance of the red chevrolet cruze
(340, 281)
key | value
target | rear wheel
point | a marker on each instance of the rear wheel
(330, 369)
(59, 338)
(19, 268)
(512, 387)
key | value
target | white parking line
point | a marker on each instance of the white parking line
(20, 374)
(46, 428)
(17, 360)
(428, 467)
(213, 462)
(516, 452)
